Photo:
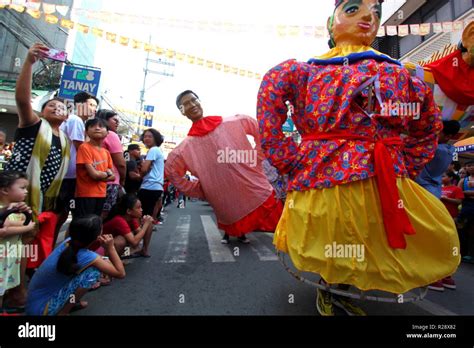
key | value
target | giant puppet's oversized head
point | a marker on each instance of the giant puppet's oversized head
(355, 22)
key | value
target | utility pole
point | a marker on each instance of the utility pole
(165, 64)
(142, 93)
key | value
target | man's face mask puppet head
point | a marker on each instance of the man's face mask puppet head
(355, 22)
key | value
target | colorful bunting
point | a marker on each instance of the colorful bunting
(33, 9)
(437, 28)
(18, 8)
(51, 19)
(403, 30)
(425, 29)
(447, 27)
(381, 32)
(124, 40)
(33, 13)
(282, 30)
(112, 37)
(98, 32)
(66, 23)
(392, 30)
(415, 29)
(83, 28)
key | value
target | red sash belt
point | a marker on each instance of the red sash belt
(395, 217)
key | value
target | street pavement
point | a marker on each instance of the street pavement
(192, 273)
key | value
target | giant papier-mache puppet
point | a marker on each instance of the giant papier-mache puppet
(368, 128)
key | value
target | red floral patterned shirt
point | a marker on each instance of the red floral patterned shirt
(324, 99)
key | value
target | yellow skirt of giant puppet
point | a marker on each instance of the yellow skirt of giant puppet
(339, 234)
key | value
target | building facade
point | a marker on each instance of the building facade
(18, 32)
(415, 48)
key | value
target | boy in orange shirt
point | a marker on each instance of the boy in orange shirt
(94, 170)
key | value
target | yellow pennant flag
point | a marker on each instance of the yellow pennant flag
(180, 56)
(98, 32)
(170, 53)
(191, 59)
(235, 70)
(124, 40)
(137, 44)
(111, 37)
(148, 47)
(210, 64)
(250, 74)
(226, 68)
(83, 28)
(51, 19)
(33, 13)
(200, 61)
(66, 23)
(18, 8)
(242, 72)
(159, 51)
(218, 66)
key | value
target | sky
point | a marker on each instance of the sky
(220, 93)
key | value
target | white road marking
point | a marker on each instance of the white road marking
(218, 251)
(178, 246)
(264, 253)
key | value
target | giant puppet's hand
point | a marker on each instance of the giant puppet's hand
(468, 44)
(453, 75)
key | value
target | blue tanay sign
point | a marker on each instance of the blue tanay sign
(148, 117)
(288, 126)
(77, 79)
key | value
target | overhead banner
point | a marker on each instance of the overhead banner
(464, 149)
(78, 79)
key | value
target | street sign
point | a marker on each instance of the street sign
(148, 111)
(288, 126)
(77, 79)
(149, 108)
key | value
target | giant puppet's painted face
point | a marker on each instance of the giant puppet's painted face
(355, 22)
